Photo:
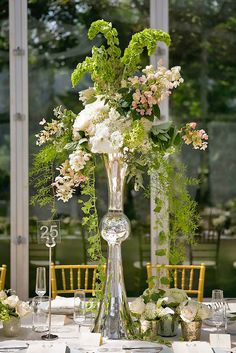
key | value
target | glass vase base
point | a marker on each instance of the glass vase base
(49, 337)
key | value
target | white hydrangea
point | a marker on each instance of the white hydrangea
(92, 112)
(175, 295)
(150, 312)
(117, 140)
(78, 159)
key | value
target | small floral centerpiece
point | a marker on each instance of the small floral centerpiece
(12, 309)
(191, 316)
(162, 306)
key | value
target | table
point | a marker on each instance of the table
(68, 334)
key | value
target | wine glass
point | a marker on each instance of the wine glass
(40, 288)
(79, 307)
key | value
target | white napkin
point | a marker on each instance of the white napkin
(62, 302)
(191, 347)
(13, 344)
(46, 347)
(90, 339)
(58, 320)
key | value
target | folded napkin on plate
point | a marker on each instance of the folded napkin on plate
(62, 302)
(13, 344)
(191, 347)
(46, 347)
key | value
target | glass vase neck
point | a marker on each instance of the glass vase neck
(116, 171)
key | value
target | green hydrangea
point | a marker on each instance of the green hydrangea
(135, 136)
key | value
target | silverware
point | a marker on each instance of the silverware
(17, 348)
(133, 348)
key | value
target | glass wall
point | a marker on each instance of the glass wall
(4, 140)
(204, 42)
(57, 42)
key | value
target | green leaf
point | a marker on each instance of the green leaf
(161, 252)
(156, 111)
(165, 280)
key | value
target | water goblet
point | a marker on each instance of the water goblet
(40, 287)
(79, 307)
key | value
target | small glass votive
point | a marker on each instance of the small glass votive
(40, 307)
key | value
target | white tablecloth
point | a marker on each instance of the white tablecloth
(68, 336)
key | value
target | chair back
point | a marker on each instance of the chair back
(190, 278)
(67, 278)
(3, 271)
(206, 248)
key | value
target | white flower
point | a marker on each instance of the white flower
(11, 301)
(164, 311)
(22, 308)
(42, 122)
(86, 95)
(189, 312)
(204, 312)
(100, 142)
(78, 160)
(2, 295)
(90, 113)
(175, 295)
(138, 306)
(117, 140)
(150, 312)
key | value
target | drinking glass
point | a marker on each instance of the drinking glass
(218, 308)
(40, 287)
(40, 314)
(79, 307)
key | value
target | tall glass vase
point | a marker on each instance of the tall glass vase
(114, 319)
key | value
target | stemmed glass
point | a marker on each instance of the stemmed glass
(79, 307)
(218, 309)
(40, 288)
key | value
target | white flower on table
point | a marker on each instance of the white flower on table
(22, 308)
(194, 311)
(150, 312)
(175, 295)
(2, 294)
(11, 301)
(138, 306)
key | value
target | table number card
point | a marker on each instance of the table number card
(221, 340)
(48, 232)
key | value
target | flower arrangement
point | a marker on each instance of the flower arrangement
(194, 311)
(155, 304)
(121, 116)
(12, 306)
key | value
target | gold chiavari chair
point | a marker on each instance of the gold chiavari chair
(73, 277)
(3, 271)
(190, 278)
